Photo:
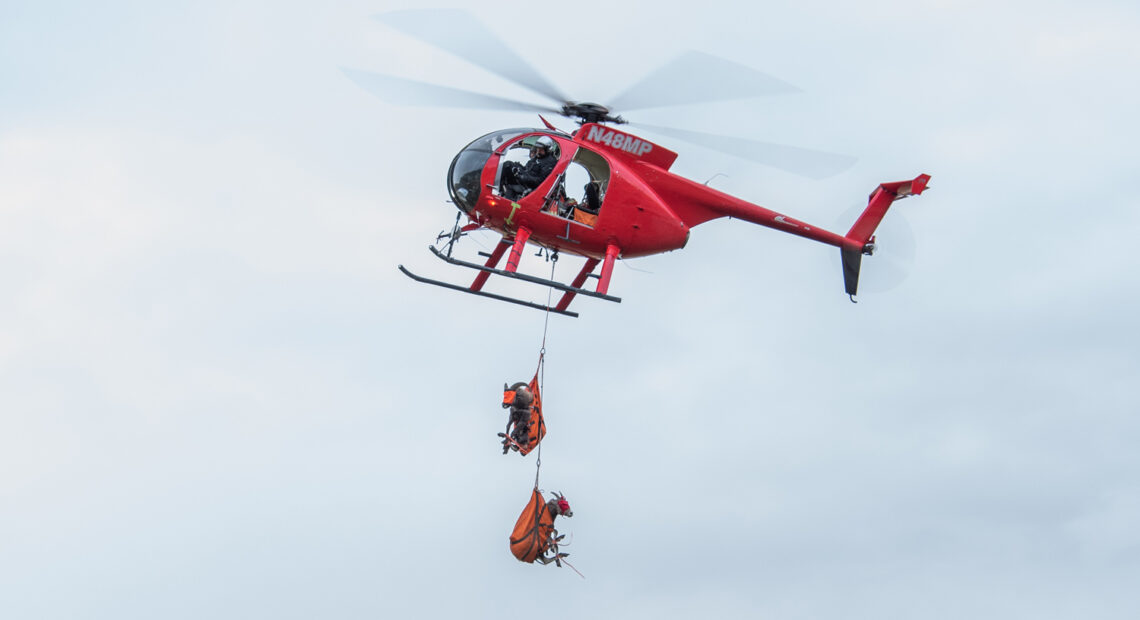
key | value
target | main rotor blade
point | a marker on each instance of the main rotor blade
(804, 162)
(403, 91)
(458, 32)
(695, 77)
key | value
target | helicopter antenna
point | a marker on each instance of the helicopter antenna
(719, 174)
(628, 266)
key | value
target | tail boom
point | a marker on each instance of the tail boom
(694, 203)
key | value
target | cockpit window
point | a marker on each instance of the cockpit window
(525, 164)
(467, 167)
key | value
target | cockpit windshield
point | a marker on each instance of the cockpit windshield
(467, 167)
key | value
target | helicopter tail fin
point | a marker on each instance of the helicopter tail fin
(863, 231)
(851, 262)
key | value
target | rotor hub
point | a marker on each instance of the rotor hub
(587, 112)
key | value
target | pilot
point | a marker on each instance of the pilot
(519, 180)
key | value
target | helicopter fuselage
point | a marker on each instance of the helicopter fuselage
(637, 206)
(630, 206)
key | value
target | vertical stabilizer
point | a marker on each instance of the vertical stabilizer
(851, 262)
(863, 231)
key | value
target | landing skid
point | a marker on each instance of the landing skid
(524, 277)
(487, 270)
(464, 289)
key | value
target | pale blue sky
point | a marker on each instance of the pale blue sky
(218, 397)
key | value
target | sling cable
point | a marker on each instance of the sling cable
(534, 538)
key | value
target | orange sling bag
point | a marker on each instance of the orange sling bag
(537, 427)
(532, 534)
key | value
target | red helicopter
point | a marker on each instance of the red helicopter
(629, 204)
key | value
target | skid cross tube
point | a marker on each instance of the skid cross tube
(524, 277)
(464, 289)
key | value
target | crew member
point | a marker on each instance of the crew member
(519, 180)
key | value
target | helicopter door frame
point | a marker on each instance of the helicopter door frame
(599, 171)
(552, 196)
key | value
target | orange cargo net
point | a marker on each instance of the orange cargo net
(534, 531)
(535, 424)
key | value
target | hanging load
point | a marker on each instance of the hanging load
(534, 538)
(525, 426)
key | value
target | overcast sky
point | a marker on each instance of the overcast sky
(220, 399)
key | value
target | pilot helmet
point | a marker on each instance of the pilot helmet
(546, 143)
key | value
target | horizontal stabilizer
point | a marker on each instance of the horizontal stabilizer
(878, 204)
